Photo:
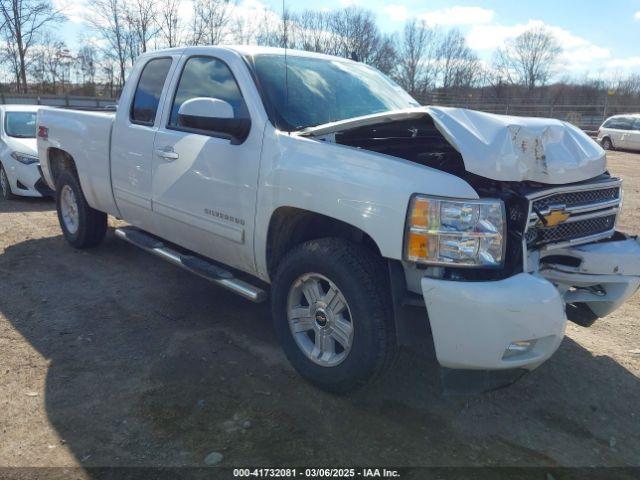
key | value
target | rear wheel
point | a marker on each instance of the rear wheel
(5, 186)
(83, 226)
(607, 144)
(332, 313)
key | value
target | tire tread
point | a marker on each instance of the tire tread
(93, 223)
(369, 271)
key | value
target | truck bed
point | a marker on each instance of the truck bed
(85, 136)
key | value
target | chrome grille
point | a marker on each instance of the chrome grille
(587, 213)
(573, 199)
(571, 231)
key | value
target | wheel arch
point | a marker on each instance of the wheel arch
(291, 226)
(95, 187)
(58, 161)
(607, 137)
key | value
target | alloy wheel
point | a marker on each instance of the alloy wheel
(320, 320)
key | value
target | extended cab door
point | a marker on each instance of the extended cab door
(133, 135)
(204, 183)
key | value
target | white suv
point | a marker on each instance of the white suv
(621, 131)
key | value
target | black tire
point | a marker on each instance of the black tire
(362, 278)
(92, 224)
(5, 186)
(607, 144)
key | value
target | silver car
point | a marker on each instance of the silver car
(620, 131)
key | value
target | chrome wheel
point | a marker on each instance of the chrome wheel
(69, 209)
(320, 320)
(4, 183)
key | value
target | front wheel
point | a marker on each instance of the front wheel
(82, 226)
(5, 186)
(607, 144)
(332, 313)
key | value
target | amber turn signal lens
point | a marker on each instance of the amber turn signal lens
(420, 213)
(417, 246)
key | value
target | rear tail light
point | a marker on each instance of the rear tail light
(43, 132)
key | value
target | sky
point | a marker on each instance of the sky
(600, 39)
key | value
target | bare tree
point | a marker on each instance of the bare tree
(275, 34)
(107, 18)
(170, 23)
(357, 33)
(142, 21)
(459, 65)
(529, 59)
(628, 86)
(243, 31)
(210, 19)
(22, 22)
(417, 68)
(86, 61)
(109, 73)
(385, 58)
(350, 32)
(314, 32)
(51, 64)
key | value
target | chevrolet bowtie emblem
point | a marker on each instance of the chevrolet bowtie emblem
(555, 217)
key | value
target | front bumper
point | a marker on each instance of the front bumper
(25, 180)
(474, 324)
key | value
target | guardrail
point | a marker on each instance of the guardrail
(585, 116)
(67, 101)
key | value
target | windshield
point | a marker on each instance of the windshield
(20, 124)
(322, 91)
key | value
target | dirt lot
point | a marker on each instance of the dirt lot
(115, 358)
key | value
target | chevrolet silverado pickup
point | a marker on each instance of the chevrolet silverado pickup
(319, 183)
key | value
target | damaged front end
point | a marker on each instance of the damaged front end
(570, 239)
(551, 176)
(563, 257)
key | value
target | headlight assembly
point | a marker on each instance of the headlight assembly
(24, 158)
(463, 233)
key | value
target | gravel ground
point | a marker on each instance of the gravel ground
(115, 358)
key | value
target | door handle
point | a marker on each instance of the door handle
(167, 153)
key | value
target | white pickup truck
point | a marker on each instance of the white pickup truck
(366, 217)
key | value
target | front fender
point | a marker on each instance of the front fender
(367, 190)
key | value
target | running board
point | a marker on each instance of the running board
(192, 263)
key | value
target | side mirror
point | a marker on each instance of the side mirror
(214, 117)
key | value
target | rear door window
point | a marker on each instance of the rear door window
(147, 96)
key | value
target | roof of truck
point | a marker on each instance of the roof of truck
(251, 50)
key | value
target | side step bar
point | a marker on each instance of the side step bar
(192, 263)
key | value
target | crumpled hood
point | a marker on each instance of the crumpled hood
(509, 148)
(502, 147)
